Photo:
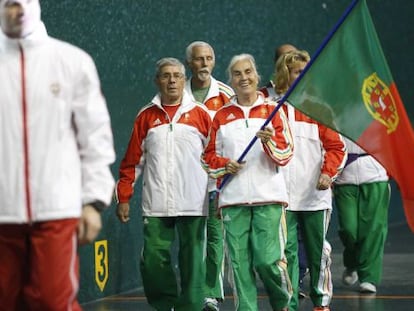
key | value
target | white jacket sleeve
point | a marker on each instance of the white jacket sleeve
(94, 135)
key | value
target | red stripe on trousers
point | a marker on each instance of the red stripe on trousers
(39, 266)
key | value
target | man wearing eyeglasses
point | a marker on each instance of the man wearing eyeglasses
(167, 140)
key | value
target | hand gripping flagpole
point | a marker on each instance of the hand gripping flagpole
(227, 177)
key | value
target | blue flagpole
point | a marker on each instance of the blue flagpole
(348, 11)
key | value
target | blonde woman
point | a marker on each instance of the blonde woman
(319, 157)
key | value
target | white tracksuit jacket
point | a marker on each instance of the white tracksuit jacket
(56, 139)
(318, 149)
(167, 154)
(260, 182)
(363, 170)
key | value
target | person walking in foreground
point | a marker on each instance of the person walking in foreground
(213, 94)
(56, 149)
(253, 202)
(166, 143)
(362, 196)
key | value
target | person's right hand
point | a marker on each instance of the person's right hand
(90, 225)
(324, 182)
(122, 211)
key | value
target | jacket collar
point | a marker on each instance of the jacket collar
(213, 91)
(260, 100)
(186, 103)
(35, 38)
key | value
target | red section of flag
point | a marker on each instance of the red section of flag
(395, 151)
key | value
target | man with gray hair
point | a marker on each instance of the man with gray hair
(167, 140)
(55, 152)
(213, 94)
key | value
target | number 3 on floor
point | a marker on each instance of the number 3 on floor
(101, 263)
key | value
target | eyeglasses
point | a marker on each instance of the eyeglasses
(169, 76)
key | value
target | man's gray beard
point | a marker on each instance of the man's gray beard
(203, 76)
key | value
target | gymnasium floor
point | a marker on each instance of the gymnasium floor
(396, 293)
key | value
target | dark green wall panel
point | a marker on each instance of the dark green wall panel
(127, 37)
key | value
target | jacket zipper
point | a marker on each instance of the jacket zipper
(25, 137)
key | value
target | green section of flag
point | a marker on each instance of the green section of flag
(330, 91)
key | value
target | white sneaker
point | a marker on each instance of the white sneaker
(210, 304)
(349, 277)
(366, 287)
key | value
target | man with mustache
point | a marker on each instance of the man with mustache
(206, 90)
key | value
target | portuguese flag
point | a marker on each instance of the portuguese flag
(348, 87)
